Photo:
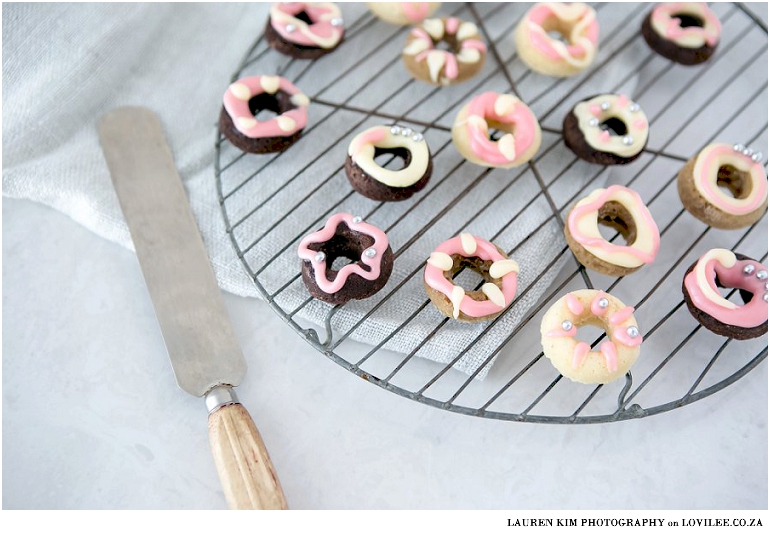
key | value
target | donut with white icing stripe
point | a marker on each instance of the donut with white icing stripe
(576, 22)
(721, 268)
(467, 251)
(685, 32)
(243, 101)
(305, 30)
(379, 183)
(521, 134)
(575, 359)
(427, 63)
(704, 182)
(403, 13)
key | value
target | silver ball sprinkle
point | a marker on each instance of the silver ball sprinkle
(395, 130)
(290, 28)
(738, 147)
(634, 107)
(747, 152)
(628, 140)
(633, 331)
(320, 256)
(765, 298)
(336, 22)
(417, 137)
(566, 325)
(604, 302)
(605, 106)
(406, 132)
(593, 121)
(762, 275)
(357, 219)
(748, 270)
(370, 252)
(756, 157)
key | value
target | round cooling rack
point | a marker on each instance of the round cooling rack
(396, 339)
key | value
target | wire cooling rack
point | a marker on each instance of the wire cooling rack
(269, 202)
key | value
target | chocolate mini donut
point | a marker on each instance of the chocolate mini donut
(547, 55)
(403, 13)
(245, 98)
(720, 268)
(684, 32)
(521, 132)
(606, 129)
(304, 30)
(345, 236)
(622, 209)
(573, 358)
(734, 167)
(372, 180)
(466, 251)
(429, 64)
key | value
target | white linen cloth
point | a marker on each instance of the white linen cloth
(66, 64)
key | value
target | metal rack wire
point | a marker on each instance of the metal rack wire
(264, 199)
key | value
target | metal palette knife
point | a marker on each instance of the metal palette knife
(204, 352)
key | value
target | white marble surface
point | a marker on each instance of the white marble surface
(92, 418)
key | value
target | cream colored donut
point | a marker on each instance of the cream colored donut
(550, 56)
(573, 358)
(403, 13)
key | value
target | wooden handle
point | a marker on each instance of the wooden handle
(247, 475)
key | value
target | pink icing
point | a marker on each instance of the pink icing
(450, 62)
(604, 137)
(238, 108)
(574, 305)
(752, 314)
(474, 44)
(595, 110)
(415, 11)
(622, 101)
(422, 34)
(640, 124)
(558, 333)
(369, 138)
(674, 30)
(319, 267)
(716, 197)
(621, 335)
(538, 15)
(595, 308)
(582, 210)
(434, 277)
(610, 355)
(524, 121)
(621, 315)
(452, 24)
(323, 29)
(581, 352)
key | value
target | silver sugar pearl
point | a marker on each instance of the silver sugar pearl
(320, 256)
(417, 137)
(370, 252)
(633, 331)
(628, 140)
(605, 106)
(406, 132)
(566, 325)
(336, 22)
(765, 298)
(748, 270)
(762, 275)
(634, 107)
(290, 28)
(593, 121)
(738, 147)
(604, 302)
(395, 130)
(357, 219)
(756, 157)
(766, 286)
(747, 152)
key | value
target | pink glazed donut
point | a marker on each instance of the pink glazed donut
(521, 132)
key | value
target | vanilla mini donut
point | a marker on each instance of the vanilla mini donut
(245, 98)
(606, 129)
(573, 358)
(734, 167)
(304, 30)
(547, 55)
(466, 251)
(403, 13)
(684, 32)
(372, 180)
(521, 131)
(723, 268)
(622, 209)
(345, 236)
(429, 64)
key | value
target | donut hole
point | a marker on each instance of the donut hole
(345, 247)
(304, 17)
(470, 273)
(448, 43)
(394, 159)
(614, 218)
(736, 183)
(558, 36)
(588, 333)
(265, 106)
(741, 297)
(689, 21)
(558, 29)
(614, 126)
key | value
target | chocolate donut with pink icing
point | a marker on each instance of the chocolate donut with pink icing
(304, 30)
(684, 32)
(721, 268)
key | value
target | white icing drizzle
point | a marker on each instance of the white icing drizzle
(501, 268)
(434, 27)
(441, 260)
(617, 106)
(468, 243)
(458, 293)
(728, 260)
(270, 84)
(494, 294)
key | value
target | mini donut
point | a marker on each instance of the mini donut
(372, 180)
(403, 13)
(722, 268)
(499, 272)
(506, 113)
(573, 358)
(735, 167)
(245, 98)
(622, 209)
(606, 129)
(684, 32)
(345, 236)
(550, 56)
(429, 64)
(304, 30)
